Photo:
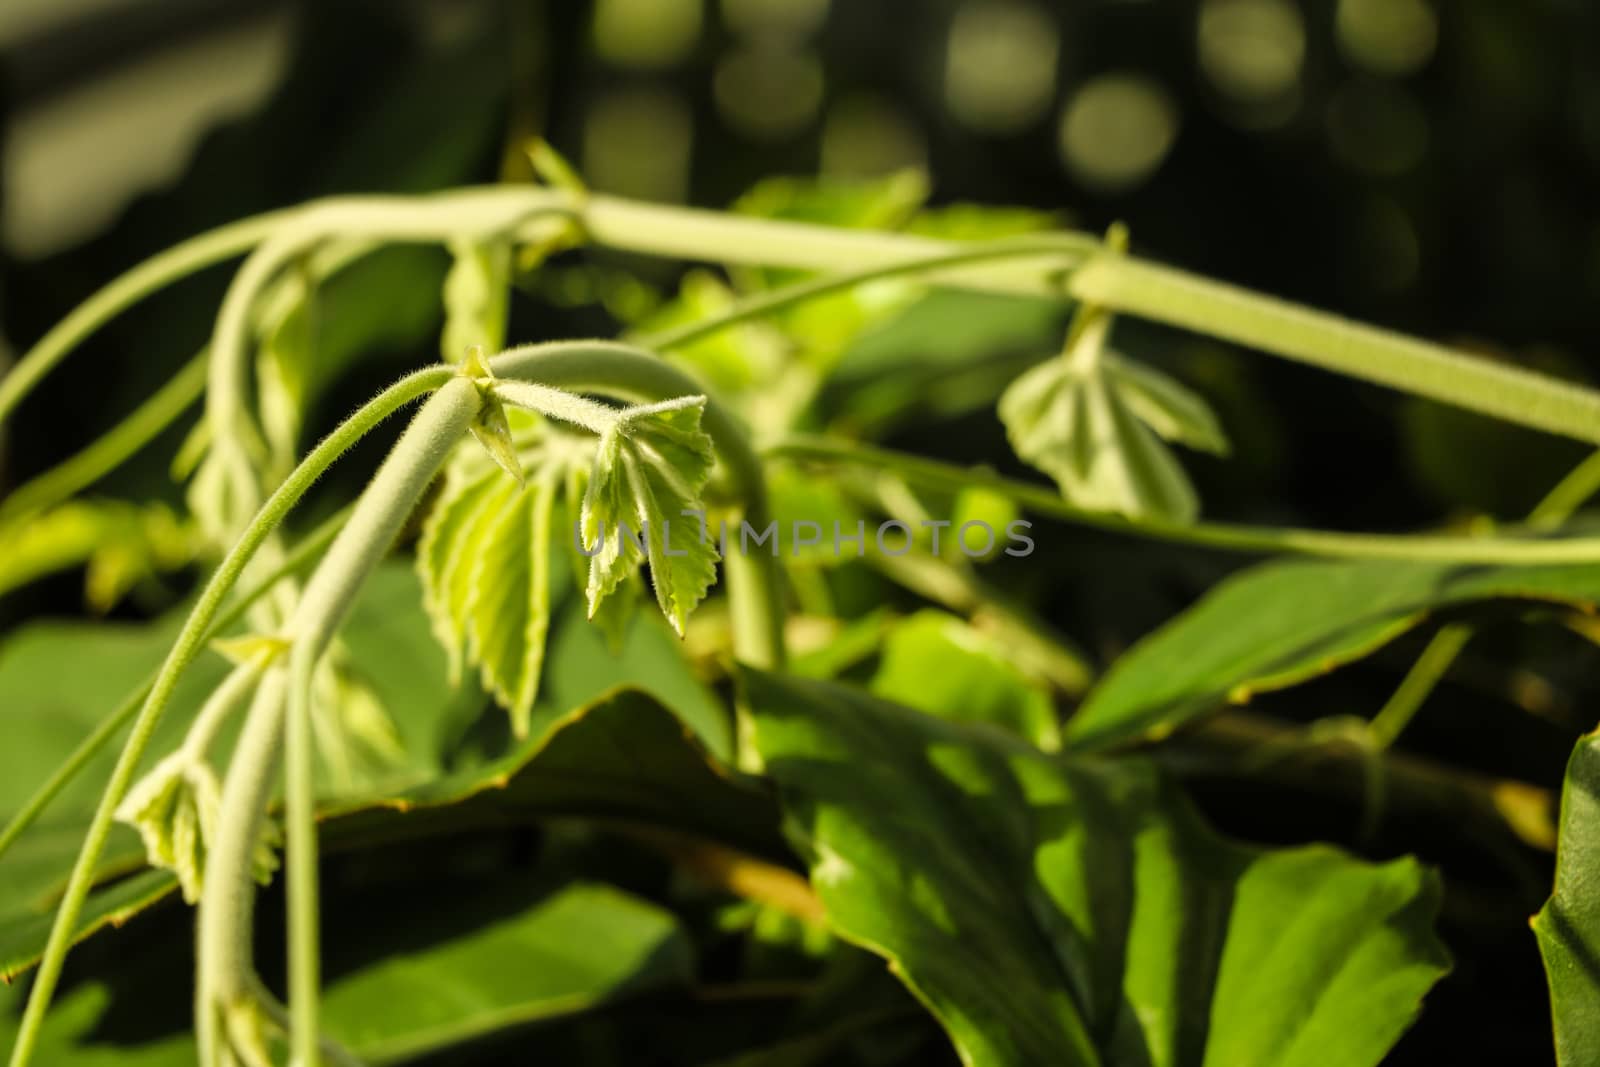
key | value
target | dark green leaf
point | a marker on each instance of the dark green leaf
(1282, 623)
(1072, 912)
(1568, 926)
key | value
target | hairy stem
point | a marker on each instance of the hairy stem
(1229, 536)
(383, 507)
(188, 645)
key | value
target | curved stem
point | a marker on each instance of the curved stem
(297, 561)
(109, 451)
(1239, 538)
(383, 507)
(1062, 248)
(180, 260)
(754, 592)
(187, 646)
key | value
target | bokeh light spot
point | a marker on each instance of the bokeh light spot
(1392, 37)
(768, 91)
(780, 18)
(1116, 130)
(636, 142)
(1252, 50)
(646, 33)
(865, 136)
(1000, 65)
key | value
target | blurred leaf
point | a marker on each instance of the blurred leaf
(1279, 624)
(567, 952)
(1568, 926)
(1172, 410)
(579, 947)
(1073, 420)
(939, 664)
(121, 544)
(1064, 912)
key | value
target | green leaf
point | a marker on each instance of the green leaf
(477, 297)
(1279, 624)
(1078, 913)
(1172, 410)
(649, 471)
(1070, 419)
(120, 543)
(1568, 926)
(175, 809)
(489, 565)
(567, 951)
(976, 682)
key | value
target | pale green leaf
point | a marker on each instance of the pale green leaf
(1077, 913)
(644, 491)
(1168, 407)
(1070, 420)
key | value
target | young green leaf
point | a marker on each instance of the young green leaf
(489, 563)
(1071, 420)
(1171, 409)
(477, 294)
(642, 501)
(175, 809)
(1568, 926)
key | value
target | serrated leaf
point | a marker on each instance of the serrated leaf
(509, 615)
(644, 489)
(477, 296)
(1070, 420)
(1171, 409)
(450, 536)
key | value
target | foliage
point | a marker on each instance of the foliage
(839, 800)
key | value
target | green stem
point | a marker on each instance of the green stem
(1421, 368)
(112, 449)
(384, 505)
(1239, 538)
(1580, 483)
(754, 592)
(188, 645)
(1064, 249)
(297, 562)
(179, 261)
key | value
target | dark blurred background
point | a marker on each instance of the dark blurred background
(1424, 164)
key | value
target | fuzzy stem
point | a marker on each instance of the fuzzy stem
(388, 499)
(630, 373)
(557, 404)
(1228, 536)
(188, 645)
(227, 900)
